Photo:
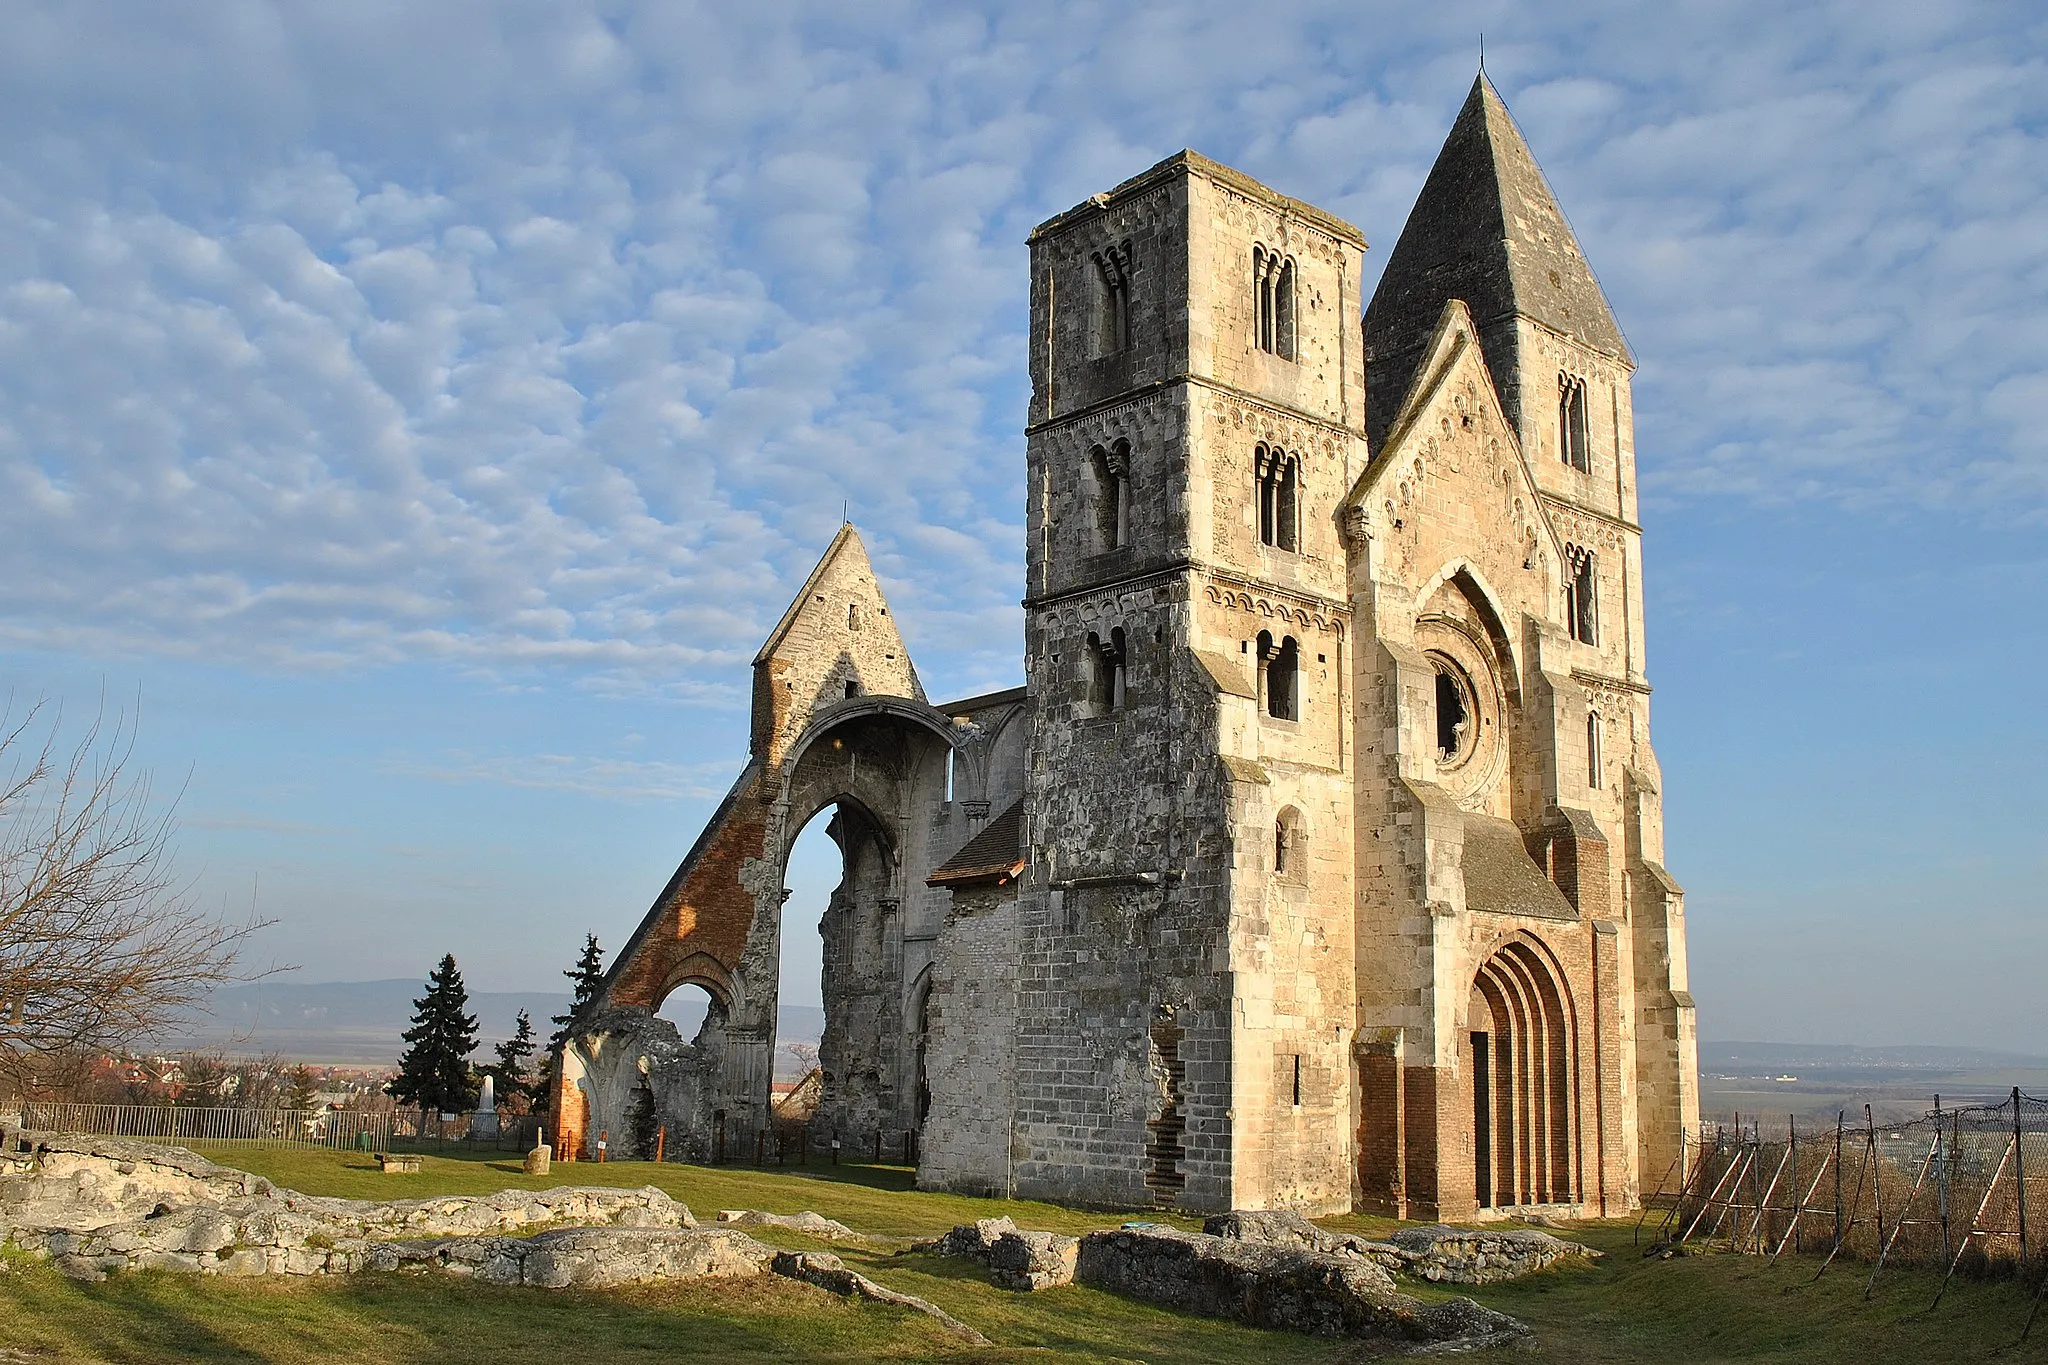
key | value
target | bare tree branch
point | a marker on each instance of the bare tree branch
(100, 943)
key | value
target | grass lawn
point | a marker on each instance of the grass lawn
(1699, 1309)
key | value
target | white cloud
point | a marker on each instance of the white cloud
(612, 779)
(550, 337)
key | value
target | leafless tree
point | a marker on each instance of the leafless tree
(100, 943)
(805, 1054)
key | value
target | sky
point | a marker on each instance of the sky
(419, 414)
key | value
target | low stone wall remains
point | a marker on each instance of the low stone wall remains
(1272, 1286)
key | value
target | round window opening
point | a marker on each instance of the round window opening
(1455, 722)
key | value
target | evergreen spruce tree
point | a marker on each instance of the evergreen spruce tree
(434, 1072)
(510, 1066)
(586, 977)
(300, 1088)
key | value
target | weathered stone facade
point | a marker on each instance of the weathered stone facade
(1317, 865)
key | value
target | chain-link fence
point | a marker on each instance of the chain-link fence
(1959, 1191)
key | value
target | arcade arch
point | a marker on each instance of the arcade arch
(1521, 1054)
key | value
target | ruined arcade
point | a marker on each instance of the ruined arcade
(1318, 862)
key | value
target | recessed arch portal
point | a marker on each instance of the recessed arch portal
(1521, 1055)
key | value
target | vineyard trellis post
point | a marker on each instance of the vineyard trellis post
(1885, 1243)
(1866, 1167)
(1948, 1161)
(2019, 1167)
(1763, 1205)
(1792, 1142)
(2004, 1160)
(1839, 1119)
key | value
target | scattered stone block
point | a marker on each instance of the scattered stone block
(539, 1159)
(395, 1163)
(808, 1223)
(828, 1272)
(1451, 1255)
(1286, 1228)
(976, 1240)
(1028, 1261)
(1282, 1287)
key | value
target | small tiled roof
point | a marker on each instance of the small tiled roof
(994, 855)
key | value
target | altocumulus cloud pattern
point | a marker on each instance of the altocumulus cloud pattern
(556, 336)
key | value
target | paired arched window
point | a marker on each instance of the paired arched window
(1113, 313)
(1112, 469)
(1574, 447)
(1290, 850)
(1279, 476)
(1581, 595)
(1273, 288)
(1280, 676)
(1106, 664)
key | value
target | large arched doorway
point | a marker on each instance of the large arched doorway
(1521, 1052)
(859, 1023)
(870, 771)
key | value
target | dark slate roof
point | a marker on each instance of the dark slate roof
(1485, 229)
(994, 855)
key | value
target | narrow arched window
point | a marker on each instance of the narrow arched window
(1118, 662)
(853, 617)
(1573, 445)
(1113, 311)
(1283, 311)
(1593, 749)
(1262, 299)
(1106, 672)
(1286, 493)
(1581, 595)
(1279, 671)
(1290, 853)
(1273, 302)
(1112, 470)
(1279, 479)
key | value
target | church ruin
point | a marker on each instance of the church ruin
(1318, 862)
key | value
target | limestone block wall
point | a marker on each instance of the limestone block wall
(1069, 538)
(838, 632)
(970, 1047)
(1230, 216)
(1086, 346)
(1123, 1013)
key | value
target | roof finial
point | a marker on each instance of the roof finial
(844, 505)
(1482, 52)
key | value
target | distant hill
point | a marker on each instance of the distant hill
(1742, 1058)
(359, 1021)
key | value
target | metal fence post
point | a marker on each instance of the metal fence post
(1838, 1173)
(1792, 1136)
(2019, 1167)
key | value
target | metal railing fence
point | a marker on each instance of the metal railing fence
(183, 1125)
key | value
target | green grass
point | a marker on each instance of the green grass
(1705, 1310)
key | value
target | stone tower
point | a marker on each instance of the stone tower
(1527, 1033)
(1198, 410)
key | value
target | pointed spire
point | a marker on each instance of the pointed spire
(1486, 229)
